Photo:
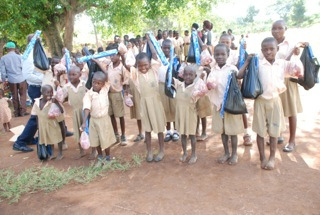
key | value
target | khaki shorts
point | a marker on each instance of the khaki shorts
(101, 132)
(290, 99)
(268, 117)
(231, 124)
(116, 106)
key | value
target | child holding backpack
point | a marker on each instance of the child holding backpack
(268, 115)
(230, 125)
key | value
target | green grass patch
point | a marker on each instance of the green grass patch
(48, 178)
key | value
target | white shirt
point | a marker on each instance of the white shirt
(32, 76)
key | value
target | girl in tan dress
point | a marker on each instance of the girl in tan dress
(5, 112)
(51, 130)
(153, 118)
(75, 90)
(187, 94)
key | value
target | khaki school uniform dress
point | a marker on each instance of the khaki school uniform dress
(230, 124)
(290, 98)
(100, 128)
(152, 112)
(168, 104)
(268, 117)
(186, 111)
(186, 45)
(75, 98)
(135, 109)
(117, 78)
(49, 129)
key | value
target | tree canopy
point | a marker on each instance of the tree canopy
(56, 17)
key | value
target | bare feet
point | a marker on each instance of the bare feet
(51, 157)
(202, 137)
(264, 164)
(149, 157)
(64, 146)
(59, 157)
(159, 157)
(223, 159)
(233, 160)
(92, 156)
(193, 159)
(270, 164)
(82, 154)
(183, 158)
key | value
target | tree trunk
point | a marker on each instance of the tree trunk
(53, 40)
(69, 29)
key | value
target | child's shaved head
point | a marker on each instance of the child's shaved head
(227, 36)
(100, 76)
(75, 69)
(46, 88)
(269, 40)
(281, 22)
(167, 42)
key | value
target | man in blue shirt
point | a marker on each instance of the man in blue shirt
(11, 74)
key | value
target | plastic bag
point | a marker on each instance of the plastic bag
(84, 140)
(200, 88)
(205, 58)
(54, 111)
(194, 50)
(235, 103)
(168, 88)
(311, 69)
(251, 86)
(128, 101)
(40, 59)
(43, 151)
(130, 58)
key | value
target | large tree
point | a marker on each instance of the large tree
(56, 17)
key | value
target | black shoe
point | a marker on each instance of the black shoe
(16, 147)
(69, 133)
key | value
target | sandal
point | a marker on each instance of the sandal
(289, 148)
(168, 137)
(175, 137)
(247, 140)
(202, 137)
(138, 138)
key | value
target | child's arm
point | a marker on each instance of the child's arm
(85, 117)
(296, 50)
(153, 50)
(123, 59)
(245, 66)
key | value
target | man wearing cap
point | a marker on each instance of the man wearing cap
(11, 73)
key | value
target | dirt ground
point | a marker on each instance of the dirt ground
(170, 187)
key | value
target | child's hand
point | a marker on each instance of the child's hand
(56, 83)
(211, 86)
(147, 36)
(83, 126)
(204, 47)
(250, 56)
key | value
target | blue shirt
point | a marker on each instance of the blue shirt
(11, 68)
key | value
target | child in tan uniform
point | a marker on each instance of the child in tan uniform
(290, 99)
(268, 115)
(146, 80)
(51, 130)
(187, 95)
(96, 102)
(75, 90)
(230, 125)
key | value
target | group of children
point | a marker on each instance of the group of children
(199, 94)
